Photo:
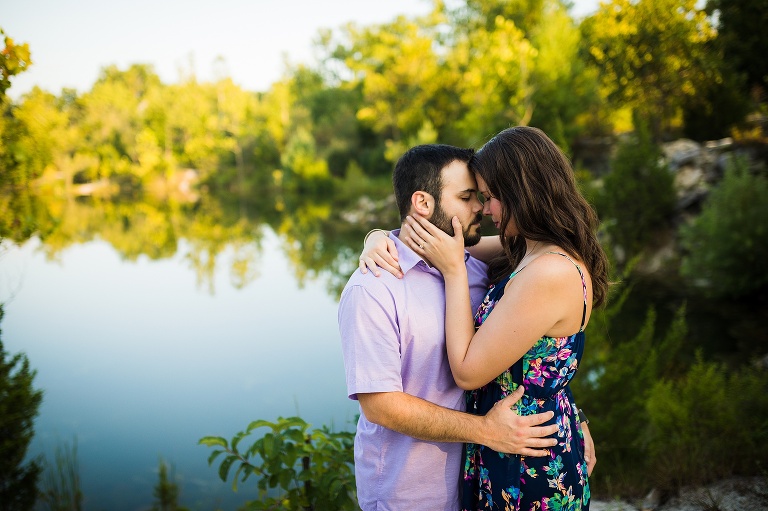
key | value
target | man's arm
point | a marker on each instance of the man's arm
(589, 448)
(486, 249)
(501, 429)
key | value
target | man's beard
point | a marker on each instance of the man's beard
(441, 221)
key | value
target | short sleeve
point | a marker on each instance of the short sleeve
(370, 340)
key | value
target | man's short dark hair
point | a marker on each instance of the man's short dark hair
(420, 169)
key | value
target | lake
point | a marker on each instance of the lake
(139, 358)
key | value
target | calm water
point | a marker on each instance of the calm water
(138, 360)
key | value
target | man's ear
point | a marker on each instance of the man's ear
(422, 203)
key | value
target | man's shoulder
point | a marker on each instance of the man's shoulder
(382, 285)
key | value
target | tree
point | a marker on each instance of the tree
(564, 87)
(166, 490)
(495, 86)
(14, 59)
(113, 117)
(725, 242)
(44, 136)
(527, 15)
(651, 54)
(402, 76)
(19, 403)
(638, 196)
(60, 489)
(741, 32)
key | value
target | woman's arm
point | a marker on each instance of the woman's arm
(379, 252)
(533, 303)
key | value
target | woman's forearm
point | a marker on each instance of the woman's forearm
(459, 325)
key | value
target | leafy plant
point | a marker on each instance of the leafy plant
(297, 468)
(60, 489)
(19, 403)
(638, 194)
(686, 413)
(727, 242)
(166, 490)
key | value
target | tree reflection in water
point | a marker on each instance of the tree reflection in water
(320, 235)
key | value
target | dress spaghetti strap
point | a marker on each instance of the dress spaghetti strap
(583, 285)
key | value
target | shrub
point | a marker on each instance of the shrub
(698, 422)
(311, 470)
(19, 403)
(614, 395)
(638, 195)
(726, 245)
(60, 489)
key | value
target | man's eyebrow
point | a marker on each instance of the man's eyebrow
(469, 190)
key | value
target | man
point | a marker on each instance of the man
(408, 446)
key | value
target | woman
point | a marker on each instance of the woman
(530, 328)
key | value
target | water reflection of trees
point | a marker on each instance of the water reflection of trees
(320, 236)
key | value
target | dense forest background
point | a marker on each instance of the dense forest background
(675, 379)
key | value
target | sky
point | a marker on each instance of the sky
(72, 40)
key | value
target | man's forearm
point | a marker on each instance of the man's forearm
(421, 419)
(501, 429)
(486, 249)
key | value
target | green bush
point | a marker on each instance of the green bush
(614, 389)
(663, 418)
(60, 488)
(297, 469)
(19, 403)
(727, 243)
(638, 195)
(707, 424)
(167, 489)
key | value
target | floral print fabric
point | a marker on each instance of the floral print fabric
(555, 482)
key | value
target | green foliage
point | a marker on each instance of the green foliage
(42, 136)
(297, 468)
(741, 34)
(719, 105)
(456, 75)
(638, 195)
(19, 403)
(500, 98)
(166, 490)
(727, 242)
(651, 54)
(618, 378)
(60, 489)
(478, 14)
(399, 67)
(708, 414)
(14, 59)
(303, 170)
(566, 88)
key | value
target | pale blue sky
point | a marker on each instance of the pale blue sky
(72, 40)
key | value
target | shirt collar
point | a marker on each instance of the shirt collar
(408, 258)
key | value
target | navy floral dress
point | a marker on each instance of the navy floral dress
(554, 482)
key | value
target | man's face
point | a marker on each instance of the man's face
(459, 198)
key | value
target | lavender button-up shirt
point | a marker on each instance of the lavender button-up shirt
(393, 340)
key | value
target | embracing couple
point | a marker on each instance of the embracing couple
(460, 354)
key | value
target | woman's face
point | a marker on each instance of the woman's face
(492, 207)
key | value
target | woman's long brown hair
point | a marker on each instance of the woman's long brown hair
(535, 183)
